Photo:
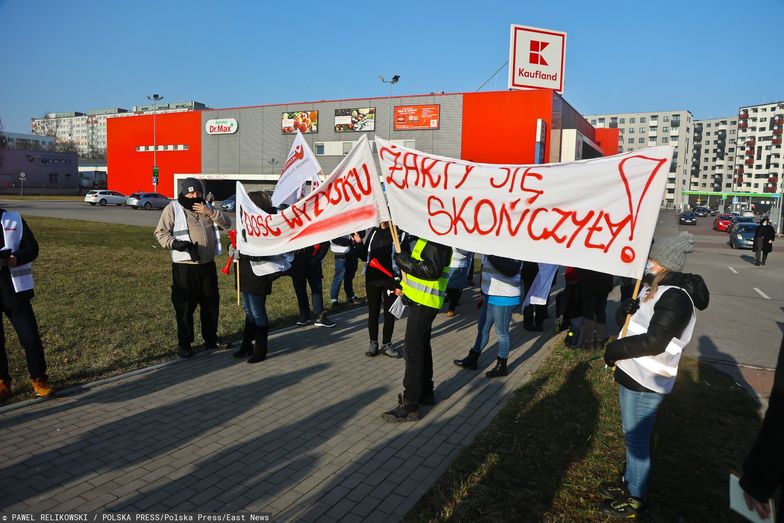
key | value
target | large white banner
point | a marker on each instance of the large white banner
(349, 200)
(597, 214)
(300, 167)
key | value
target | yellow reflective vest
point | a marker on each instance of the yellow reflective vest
(429, 293)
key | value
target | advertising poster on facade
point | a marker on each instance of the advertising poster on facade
(356, 119)
(302, 121)
(417, 117)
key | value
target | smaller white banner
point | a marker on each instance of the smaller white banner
(300, 168)
(349, 200)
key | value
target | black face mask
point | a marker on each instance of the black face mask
(188, 202)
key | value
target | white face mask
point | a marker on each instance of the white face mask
(649, 267)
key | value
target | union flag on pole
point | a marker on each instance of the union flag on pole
(300, 168)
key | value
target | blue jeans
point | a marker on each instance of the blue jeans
(638, 412)
(500, 315)
(255, 306)
(345, 270)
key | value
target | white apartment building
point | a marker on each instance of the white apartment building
(648, 129)
(759, 167)
(88, 130)
(713, 156)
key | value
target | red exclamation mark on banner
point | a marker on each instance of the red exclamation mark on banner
(633, 164)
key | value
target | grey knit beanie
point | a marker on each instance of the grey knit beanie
(191, 185)
(671, 252)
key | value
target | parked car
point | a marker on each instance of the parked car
(742, 235)
(740, 219)
(230, 203)
(687, 218)
(104, 197)
(701, 211)
(714, 212)
(147, 200)
(722, 221)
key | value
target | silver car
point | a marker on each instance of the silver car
(103, 197)
(147, 200)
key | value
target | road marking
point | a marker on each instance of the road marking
(733, 270)
(762, 293)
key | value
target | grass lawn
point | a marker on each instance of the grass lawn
(103, 302)
(559, 438)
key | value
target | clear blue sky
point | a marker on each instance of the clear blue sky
(77, 55)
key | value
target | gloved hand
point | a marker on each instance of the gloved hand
(193, 250)
(181, 245)
(608, 361)
(630, 306)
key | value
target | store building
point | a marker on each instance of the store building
(251, 144)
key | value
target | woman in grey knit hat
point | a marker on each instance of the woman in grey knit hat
(646, 360)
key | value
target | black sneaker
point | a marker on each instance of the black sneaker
(614, 489)
(216, 345)
(402, 413)
(626, 507)
(429, 399)
(388, 349)
(303, 321)
(184, 352)
(355, 301)
(372, 350)
(324, 321)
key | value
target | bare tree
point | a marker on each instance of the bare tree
(66, 146)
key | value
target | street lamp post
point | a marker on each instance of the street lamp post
(155, 99)
(391, 82)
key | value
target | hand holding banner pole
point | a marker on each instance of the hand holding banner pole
(629, 316)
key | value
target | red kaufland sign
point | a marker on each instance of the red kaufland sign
(537, 58)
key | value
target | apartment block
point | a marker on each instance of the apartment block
(648, 129)
(759, 167)
(88, 130)
(713, 155)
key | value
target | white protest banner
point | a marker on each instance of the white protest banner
(300, 167)
(597, 214)
(349, 200)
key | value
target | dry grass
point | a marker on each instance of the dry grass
(559, 438)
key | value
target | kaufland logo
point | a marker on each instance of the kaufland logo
(536, 58)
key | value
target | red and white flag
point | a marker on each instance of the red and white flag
(300, 168)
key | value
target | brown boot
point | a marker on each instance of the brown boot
(41, 387)
(5, 390)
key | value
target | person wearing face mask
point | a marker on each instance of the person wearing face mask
(646, 360)
(190, 228)
(763, 241)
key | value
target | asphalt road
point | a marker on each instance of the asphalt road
(743, 324)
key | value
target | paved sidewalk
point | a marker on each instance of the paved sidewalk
(299, 435)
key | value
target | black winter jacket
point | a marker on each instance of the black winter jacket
(26, 253)
(763, 469)
(435, 257)
(378, 244)
(671, 315)
(506, 266)
(308, 260)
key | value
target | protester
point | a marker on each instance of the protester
(256, 276)
(595, 287)
(500, 295)
(763, 240)
(379, 287)
(426, 272)
(190, 228)
(210, 198)
(647, 361)
(533, 315)
(17, 253)
(458, 278)
(306, 270)
(763, 470)
(345, 269)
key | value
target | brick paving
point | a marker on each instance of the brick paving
(299, 435)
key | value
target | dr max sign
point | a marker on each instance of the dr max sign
(221, 126)
(537, 58)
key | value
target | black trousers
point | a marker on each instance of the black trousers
(533, 315)
(23, 321)
(418, 379)
(195, 285)
(300, 282)
(453, 298)
(377, 298)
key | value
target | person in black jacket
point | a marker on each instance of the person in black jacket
(18, 251)
(256, 276)
(763, 470)
(379, 287)
(646, 360)
(763, 240)
(426, 272)
(306, 270)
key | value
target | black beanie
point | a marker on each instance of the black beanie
(191, 185)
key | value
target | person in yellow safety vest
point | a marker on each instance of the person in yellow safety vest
(426, 272)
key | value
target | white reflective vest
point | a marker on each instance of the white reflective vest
(21, 275)
(339, 249)
(273, 265)
(496, 284)
(181, 232)
(658, 372)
